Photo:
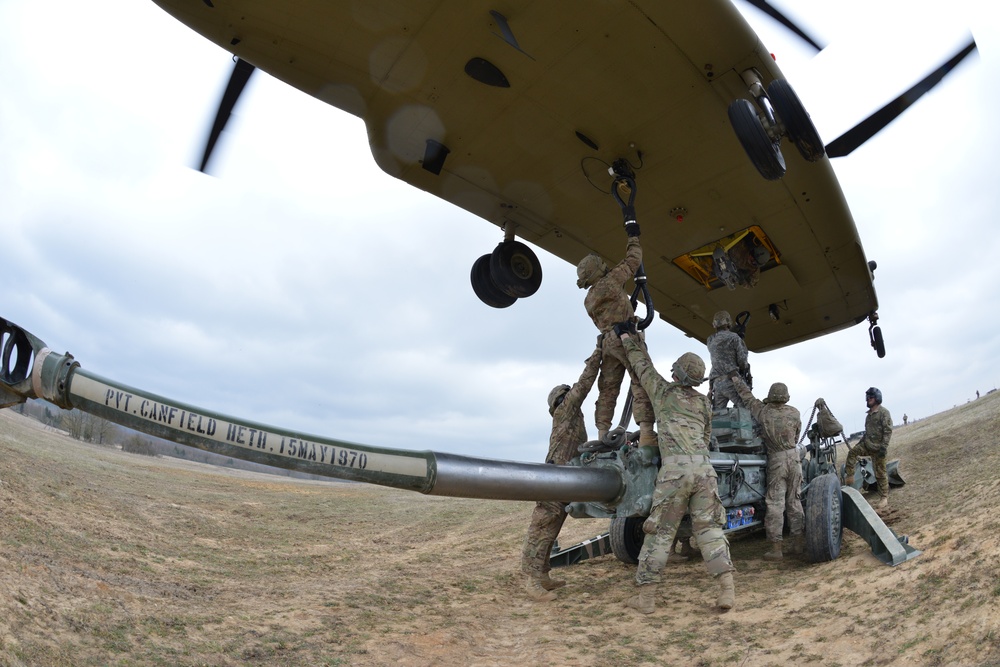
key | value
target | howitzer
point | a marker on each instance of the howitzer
(616, 484)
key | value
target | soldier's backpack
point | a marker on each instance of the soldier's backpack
(828, 424)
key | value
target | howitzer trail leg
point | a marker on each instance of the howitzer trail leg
(727, 592)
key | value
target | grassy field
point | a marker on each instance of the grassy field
(115, 559)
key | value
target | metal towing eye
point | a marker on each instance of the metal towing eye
(31, 370)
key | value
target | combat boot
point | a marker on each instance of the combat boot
(549, 583)
(883, 502)
(796, 544)
(644, 602)
(647, 436)
(536, 591)
(727, 592)
(775, 552)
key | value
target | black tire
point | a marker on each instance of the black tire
(485, 288)
(798, 125)
(824, 527)
(626, 538)
(763, 153)
(515, 269)
(878, 342)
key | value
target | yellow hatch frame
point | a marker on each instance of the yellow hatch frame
(698, 263)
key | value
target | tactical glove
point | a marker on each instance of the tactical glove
(625, 328)
(631, 226)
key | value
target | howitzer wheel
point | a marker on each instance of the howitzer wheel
(824, 528)
(626, 538)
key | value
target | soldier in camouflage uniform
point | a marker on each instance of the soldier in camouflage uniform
(874, 443)
(568, 433)
(780, 424)
(728, 353)
(686, 483)
(607, 304)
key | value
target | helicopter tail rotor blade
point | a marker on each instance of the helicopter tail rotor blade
(866, 129)
(237, 81)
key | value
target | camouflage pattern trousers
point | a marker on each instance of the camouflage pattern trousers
(685, 485)
(878, 463)
(784, 494)
(614, 365)
(723, 392)
(546, 522)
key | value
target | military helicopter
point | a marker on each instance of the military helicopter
(519, 115)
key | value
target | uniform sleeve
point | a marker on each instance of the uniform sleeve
(574, 397)
(741, 354)
(886, 428)
(639, 359)
(627, 267)
(755, 405)
(708, 420)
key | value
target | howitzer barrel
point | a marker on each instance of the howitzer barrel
(32, 370)
(467, 477)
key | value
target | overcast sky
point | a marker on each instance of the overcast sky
(301, 287)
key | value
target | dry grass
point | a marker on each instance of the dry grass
(114, 559)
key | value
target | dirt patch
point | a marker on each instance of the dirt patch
(114, 559)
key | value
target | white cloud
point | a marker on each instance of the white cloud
(302, 287)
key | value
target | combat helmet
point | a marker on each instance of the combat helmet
(589, 270)
(689, 369)
(556, 397)
(777, 394)
(874, 393)
(722, 320)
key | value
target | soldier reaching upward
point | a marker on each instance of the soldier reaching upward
(568, 433)
(780, 425)
(607, 304)
(728, 353)
(686, 483)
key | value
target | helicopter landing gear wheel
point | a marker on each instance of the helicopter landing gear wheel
(875, 331)
(515, 269)
(798, 125)
(763, 153)
(486, 288)
(626, 538)
(877, 342)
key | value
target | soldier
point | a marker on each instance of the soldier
(686, 483)
(874, 443)
(729, 353)
(608, 304)
(568, 433)
(780, 424)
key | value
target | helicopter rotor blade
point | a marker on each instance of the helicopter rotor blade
(237, 82)
(869, 127)
(774, 13)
